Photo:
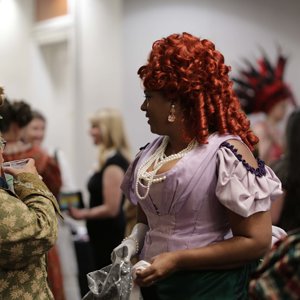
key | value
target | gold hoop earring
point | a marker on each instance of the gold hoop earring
(171, 116)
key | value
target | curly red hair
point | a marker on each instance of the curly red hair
(192, 72)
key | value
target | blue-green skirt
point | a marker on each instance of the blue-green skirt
(204, 285)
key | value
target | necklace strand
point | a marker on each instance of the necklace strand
(146, 178)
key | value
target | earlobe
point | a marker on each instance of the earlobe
(171, 116)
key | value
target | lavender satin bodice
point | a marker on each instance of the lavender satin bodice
(183, 211)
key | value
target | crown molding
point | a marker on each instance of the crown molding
(53, 31)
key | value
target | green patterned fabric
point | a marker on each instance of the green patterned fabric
(28, 229)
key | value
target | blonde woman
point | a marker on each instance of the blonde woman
(105, 216)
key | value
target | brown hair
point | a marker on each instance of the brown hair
(16, 111)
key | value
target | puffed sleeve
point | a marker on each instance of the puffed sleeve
(28, 223)
(243, 189)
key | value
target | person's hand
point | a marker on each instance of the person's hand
(77, 214)
(29, 167)
(161, 266)
(126, 250)
(140, 265)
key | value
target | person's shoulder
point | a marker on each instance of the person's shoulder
(38, 153)
(236, 144)
(144, 147)
(241, 151)
(148, 146)
(117, 157)
(38, 149)
(152, 143)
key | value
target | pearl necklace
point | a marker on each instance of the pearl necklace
(157, 159)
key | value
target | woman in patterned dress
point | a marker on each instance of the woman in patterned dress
(16, 115)
(28, 229)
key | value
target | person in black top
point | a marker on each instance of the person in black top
(105, 217)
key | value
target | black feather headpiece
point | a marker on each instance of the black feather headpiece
(259, 89)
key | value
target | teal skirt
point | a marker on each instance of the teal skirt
(206, 285)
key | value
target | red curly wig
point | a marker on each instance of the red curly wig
(192, 72)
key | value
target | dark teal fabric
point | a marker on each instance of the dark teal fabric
(206, 285)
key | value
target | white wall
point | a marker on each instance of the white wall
(99, 69)
(237, 28)
(65, 71)
(96, 65)
(16, 47)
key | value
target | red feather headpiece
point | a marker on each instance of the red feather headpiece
(260, 89)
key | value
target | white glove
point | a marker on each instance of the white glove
(131, 245)
(277, 234)
(140, 265)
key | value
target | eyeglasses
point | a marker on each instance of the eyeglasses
(2, 144)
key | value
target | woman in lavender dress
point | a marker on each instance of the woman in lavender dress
(203, 199)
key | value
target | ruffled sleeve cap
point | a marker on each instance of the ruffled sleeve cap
(242, 188)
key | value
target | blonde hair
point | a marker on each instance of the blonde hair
(113, 136)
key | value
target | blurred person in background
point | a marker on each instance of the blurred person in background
(263, 90)
(265, 96)
(105, 216)
(278, 276)
(286, 213)
(34, 134)
(17, 114)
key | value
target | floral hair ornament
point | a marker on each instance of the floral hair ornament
(259, 89)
